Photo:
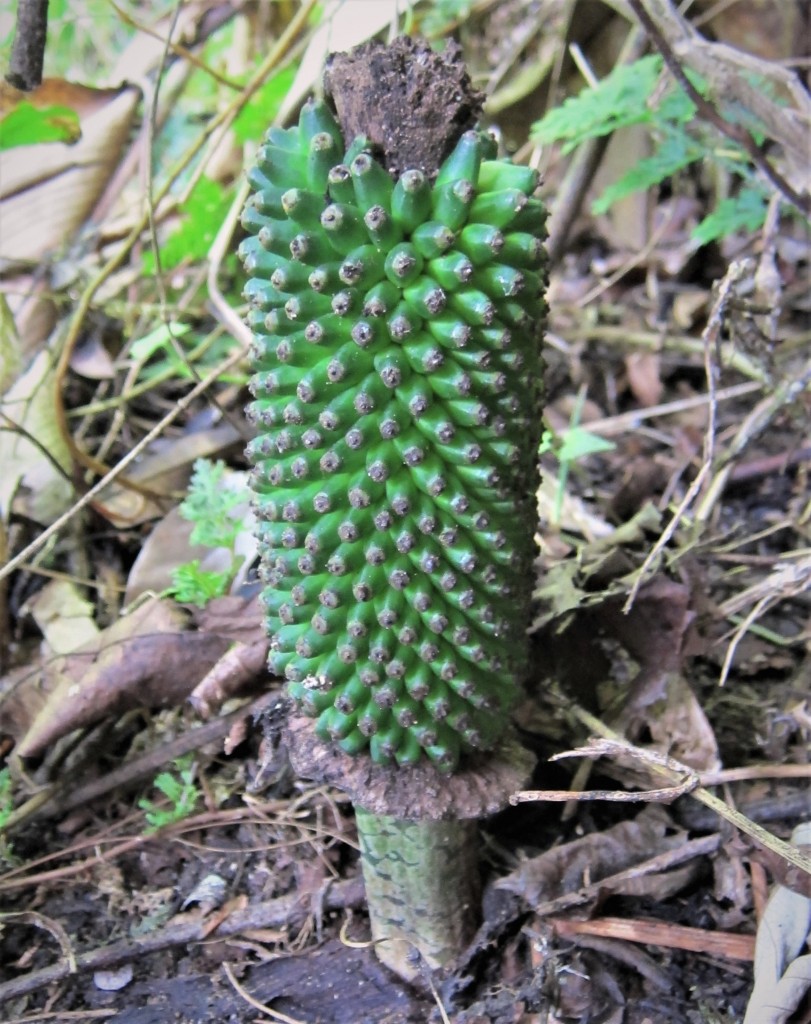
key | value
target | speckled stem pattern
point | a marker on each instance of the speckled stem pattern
(422, 888)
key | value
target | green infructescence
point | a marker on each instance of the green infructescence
(397, 405)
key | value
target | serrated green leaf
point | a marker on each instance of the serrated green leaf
(675, 152)
(193, 585)
(443, 13)
(621, 98)
(675, 106)
(208, 505)
(744, 212)
(27, 125)
(169, 785)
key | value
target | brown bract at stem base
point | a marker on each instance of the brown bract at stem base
(412, 103)
(482, 785)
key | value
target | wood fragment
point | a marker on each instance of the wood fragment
(661, 933)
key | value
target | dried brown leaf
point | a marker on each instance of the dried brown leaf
(236, 617)
(644, 380)
(164, 470)
(655, 633)
(146, 659)
(567, 868)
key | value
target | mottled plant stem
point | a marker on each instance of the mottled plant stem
(422, 888)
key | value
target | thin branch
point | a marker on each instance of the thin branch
(710, 336)
(179, 51)
(28, 48)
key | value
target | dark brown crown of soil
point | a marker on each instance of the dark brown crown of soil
(412, 103)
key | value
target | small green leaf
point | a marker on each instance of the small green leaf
(208, 505)
(578, 443)
(158, 340)
(548, 443)
(181, 792)
(444, 13)
(254, 118)
(26, 125)
(203, 213)
(744, 212)
(6, 804)
(169, 786)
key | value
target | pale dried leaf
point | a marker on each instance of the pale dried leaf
(575, 515)
(63, 615)
(167, 546)
(627, 223)
(775, 31)
(644, 380)
(655, 633)
(113, 980)
(164, 469)
(680, 728)
(92, 360)
(42, 492)
(31, 301)
(11, 359)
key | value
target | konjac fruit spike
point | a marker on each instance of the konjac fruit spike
(397, 384)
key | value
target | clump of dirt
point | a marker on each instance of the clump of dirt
(411, 102)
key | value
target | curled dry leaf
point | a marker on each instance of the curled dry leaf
(566, 868)
(146, 659)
